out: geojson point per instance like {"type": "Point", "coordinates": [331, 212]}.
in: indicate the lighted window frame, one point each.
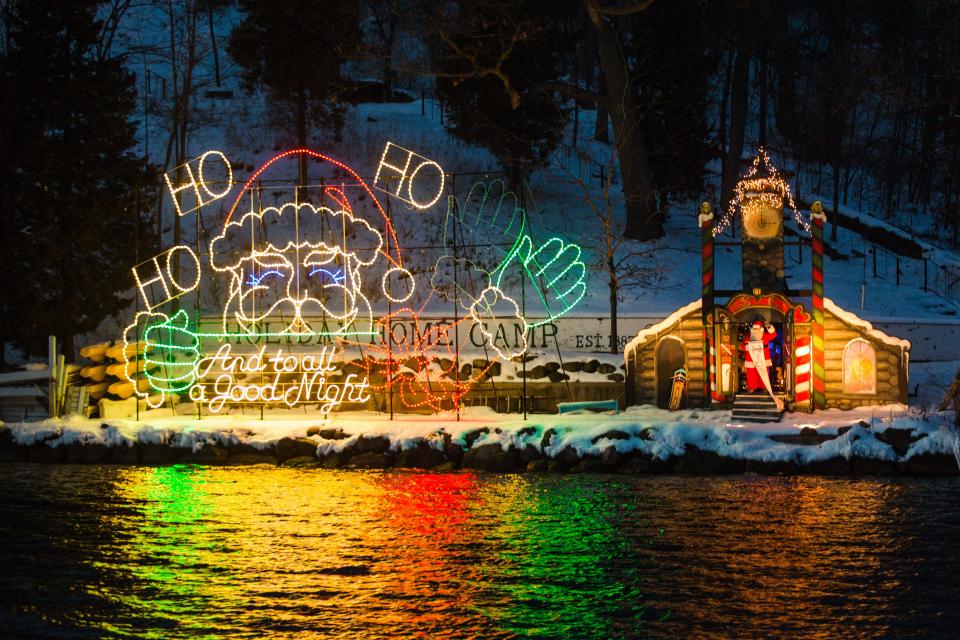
{"type": "Point", "coordinates": [859, 368]}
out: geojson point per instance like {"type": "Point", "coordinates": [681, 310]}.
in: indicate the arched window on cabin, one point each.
{"type": "Point", "coordinates": [859, 367]}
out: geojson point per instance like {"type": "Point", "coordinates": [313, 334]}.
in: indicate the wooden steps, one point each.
{"type": "Point", "coordinates": [755, 407]}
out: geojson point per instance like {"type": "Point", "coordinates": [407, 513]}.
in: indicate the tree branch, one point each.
{"type": "Point", "coordinates": [479, 70]}
{"type": "Point", "coordinates": [634, 7]}
{"type": "Point", "coordinates": [573, 91]}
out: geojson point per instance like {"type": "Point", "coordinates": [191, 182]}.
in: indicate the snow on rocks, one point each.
{"type": "Point", "coordinates": [876, 440]}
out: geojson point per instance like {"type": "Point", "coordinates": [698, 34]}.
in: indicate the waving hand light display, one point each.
{"type": "Point", "coordinates": [505, 265]}
{"type": "Point", "coordinates": [298, 285]}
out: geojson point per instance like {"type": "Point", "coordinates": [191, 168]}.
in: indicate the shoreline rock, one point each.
{"type": "Point", "coordinates": [441, 452]}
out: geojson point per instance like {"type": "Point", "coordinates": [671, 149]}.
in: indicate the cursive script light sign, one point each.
{"type": "Point", "coordinates": [278, 377]}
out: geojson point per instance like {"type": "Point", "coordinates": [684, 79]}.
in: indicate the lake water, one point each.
{"type": "Point", "coordinates": [262, 552]}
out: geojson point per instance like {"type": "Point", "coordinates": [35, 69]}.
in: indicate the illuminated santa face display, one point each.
{"type": "Point", "coordinates": [294, 282]}
{"type": "Point", "coordinates": [311, 275]}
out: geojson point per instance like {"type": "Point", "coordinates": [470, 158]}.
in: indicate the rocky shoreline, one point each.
{"type": "Point", "coordinates": [335, 449]}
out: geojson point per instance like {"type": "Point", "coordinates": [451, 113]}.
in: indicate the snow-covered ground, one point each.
{"type": "Point", "coordinates": [647, 430]}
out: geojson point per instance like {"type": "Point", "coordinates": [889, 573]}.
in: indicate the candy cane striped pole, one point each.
{"type": "Point", "coordinates": [802, 360]}
{"type": "Point", "coordinates": [818, 218]}
{"type": "Point", "coordinates": [705, 219]}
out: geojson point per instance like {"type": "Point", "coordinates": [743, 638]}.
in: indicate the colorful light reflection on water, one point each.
{"type": "Point", "coordinates": [265, 552]}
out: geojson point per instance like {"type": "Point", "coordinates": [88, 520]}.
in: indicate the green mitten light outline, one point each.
{"type": "Point", "coordinates": [160, 342]}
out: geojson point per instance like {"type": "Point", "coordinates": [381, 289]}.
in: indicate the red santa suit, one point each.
{"type": "Point", "coordinates": [764, 337]}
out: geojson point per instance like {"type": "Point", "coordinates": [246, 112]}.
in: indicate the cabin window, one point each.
{"type": "Point", "coordinates": [859, 367]}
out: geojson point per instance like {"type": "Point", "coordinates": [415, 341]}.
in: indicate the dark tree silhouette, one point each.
{"type": "Point", "coordinates": [296, 49]}
{"type": "Point", "coordinates": [491, 62]}
{"type": "Point", "coordinates": [74, 192]}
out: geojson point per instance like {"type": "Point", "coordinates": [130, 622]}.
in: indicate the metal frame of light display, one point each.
{"type": "Point", "coordinates": [284, 267]}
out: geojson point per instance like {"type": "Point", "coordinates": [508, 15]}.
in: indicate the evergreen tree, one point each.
{"type": "Point", "coordinates": [492, 63]}
{"type": "Point", "coordinates": [296, 49]}
{"type": "Point", "coordinates": [74, 192]}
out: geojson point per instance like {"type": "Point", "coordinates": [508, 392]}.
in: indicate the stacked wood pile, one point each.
{"type": "Point", "coordinates": [104, 373]}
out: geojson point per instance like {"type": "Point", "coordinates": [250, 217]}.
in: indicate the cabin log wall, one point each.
{"type": "Point", "coordinates": [641, 368]}
{"type": "Point", "coordinates": [891, 365]}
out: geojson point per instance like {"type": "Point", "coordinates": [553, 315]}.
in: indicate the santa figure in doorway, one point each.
{"type": "Point", "coordinates": [756, 347]}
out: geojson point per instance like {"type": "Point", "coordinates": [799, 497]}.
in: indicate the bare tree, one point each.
{"type": "Point", "coordinates": [169, 40]}
{"type": "Point", "coordinates": [643, 220]}
{"type": "Point", "coordinates": [619, 258]}
{"type": "Point", "coordinates": [181, 68]}
{"type": "Point", "coordinates": [483, 53]}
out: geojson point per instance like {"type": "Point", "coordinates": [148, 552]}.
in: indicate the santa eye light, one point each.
{"type": "Point", "coordinates": [336, 276]}
{"type": "Point", "coordinates": [255, 280]}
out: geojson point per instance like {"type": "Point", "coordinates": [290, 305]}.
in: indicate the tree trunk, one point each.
{"type": "Point", "coordinates": [799, 177]}
{"type": "Point", "coordinates": [785, 116]}
{"type": "Point", "coordinates": [762, 87]}
{"type": "Point", "coordinates": [614, 333]}
{"type": "Point", "coordinates": [724, 99]}
{"type": "Point", "coordinates": [388, 59]}
{"type": "Point", "coordinates": [931, 129]}
{"type": "Point", "coordinates": [949, 199]}
{"type": "Point", "coordinates": [602, 126]}
{"type": "Point", "coordinates": [891, 178]}
{"type": "Point", "coordinates": [587, 59]}
{"type": "Point", "coordinates": [181, 115]}
{"type": "Point", "coordinates": [388, 80]}
{"type": "Point", "coordinates": [738, 122]}
{"type": "Point", "coordinates": [587, 71]}
{"type": "Point", "coordinates": [576, 125]}
{"type": "Point", "coordinates": [172, 141]}
{"type": "Point", "coordinates": [836, 194]}
{"type": "Point", "coordinates": [186, 92]}
{"type": "Point", "coordinates": [643, 219]}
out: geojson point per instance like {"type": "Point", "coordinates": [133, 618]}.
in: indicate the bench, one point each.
{"type": "Point", "coordinates": [597, 405]}
{"type": "Point", "coordinates": [506, 402]}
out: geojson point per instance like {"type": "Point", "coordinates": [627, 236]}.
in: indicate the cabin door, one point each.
{"type": "Point", "coordinates": [669, 358]}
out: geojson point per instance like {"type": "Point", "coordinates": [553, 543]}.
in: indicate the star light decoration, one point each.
{"type": "Point", "coordinates": [762, 186]}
